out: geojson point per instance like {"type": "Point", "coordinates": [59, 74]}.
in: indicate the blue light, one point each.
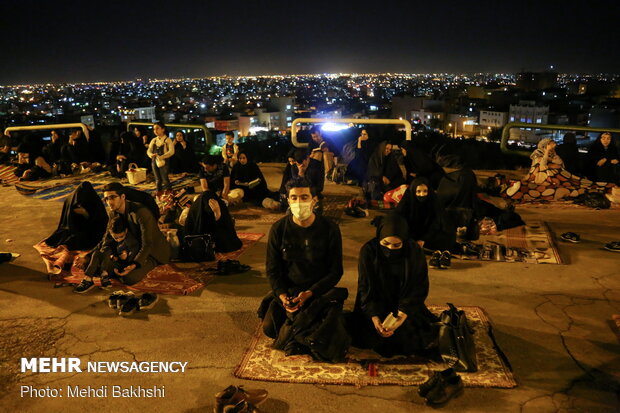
{"type": "Point", "coordinates": [333, 127]}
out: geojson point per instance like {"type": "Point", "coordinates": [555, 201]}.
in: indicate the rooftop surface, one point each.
{"type": "Point", "coordinates": [553, 322]}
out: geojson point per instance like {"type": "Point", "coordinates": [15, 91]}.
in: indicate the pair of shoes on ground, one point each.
{"type": "Point", "coordinates": [441, 387]}
{"type": "Point", "coordinates": [356, 212]}
{"type": "Point", "coordinates": [236, 399]}
{"type": "Point", "coordinates": [229, 267]}
{"type": "Point", "coordinates": [441, 260]}
{"type": "Point", "coordinates": [128, 303]}
{"type": "Point", "coordinates": [87, 285]}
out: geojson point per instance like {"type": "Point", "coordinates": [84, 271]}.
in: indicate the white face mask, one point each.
{"type": "Point", "coordinates": [301, 210]}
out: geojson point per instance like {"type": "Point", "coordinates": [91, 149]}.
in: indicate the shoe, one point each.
{"type": "Point", "coordinates": [241, 407]}
{"type": "Point", "coordinates": [434, 262]}
{"type": "Point", "coordinates": [114, 298]}
{"type": "Point", "coordinates": [613, 246]}
{"type": "Point", "coordinates": [470, 249]}
{"type": "Point", "coordinates": [570, 237]}
{"type": "Point", "coordinates": [444, 391]}
{"type": "Point", "coordinates": [439, 376]}
{"type": "Point", "coordinates": [106, 284]}
{"type": "Point", "coordinates": [84, 286]}
{"type": "Point", "coordinates": [129, 307]}
{"type": "Point", "coordinates": [445, 260]}
{"type": "Point", "coordinates": [123, 298]}
{"type": "Point", "coordinates": [148, 301]}
{"type": "Point", "coordinates": [233, 395]}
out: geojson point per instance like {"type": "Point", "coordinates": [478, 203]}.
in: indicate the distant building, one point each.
{"type": "Point", "coordinates": [286, 106]}
{"type": "Point", "coordinates": [146, 113]}
{"type": "Point", "coordinates": [427, 118]}
{"type": "Point", "coordinates": [493, 119]}
{"type": "Point", "coordinates": [402, 106]}
{"type": "Point", "coordinates": [528, 112]}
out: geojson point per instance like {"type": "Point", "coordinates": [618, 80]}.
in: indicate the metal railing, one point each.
{"type": "Point", "coordinates": [207, 134]}
{"type": "Point", "coordinates": [298, 144]}
{"type": "Point", "coordinates": [85, 129]}
{"type": "Point", "coordinates": [506, 133]}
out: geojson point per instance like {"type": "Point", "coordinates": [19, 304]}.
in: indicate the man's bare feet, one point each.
{"type": "Point", "coordinates": [215, 207]}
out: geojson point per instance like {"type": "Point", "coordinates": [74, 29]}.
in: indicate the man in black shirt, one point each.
{"type": "Point", "coordinates": [304, 257]}
{"type": "Point", "coordinates": [214, 176]}
{"type": "Point", "coordinates": [310, 168]}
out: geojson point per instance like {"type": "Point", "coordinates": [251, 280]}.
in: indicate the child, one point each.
{"type": "Point", "coordinates": [230, 150]}
{"type": "Point", "coordinates": [160, 149]}
{"type": "Point", "coordinates": [113, 256]}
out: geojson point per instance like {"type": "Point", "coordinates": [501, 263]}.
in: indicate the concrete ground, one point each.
{"type": "Point", "coordinates": [552, 321]}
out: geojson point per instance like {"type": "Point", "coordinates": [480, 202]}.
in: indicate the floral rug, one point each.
{"type": "Point", "coordinates": [7, 177]}
{"type": "Point", "coordinates": [175, 278]}
{"type": "Point", "coordinates": [261, 362]}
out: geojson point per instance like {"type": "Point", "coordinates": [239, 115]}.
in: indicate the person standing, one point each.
{"type": "Point", "coordinates": [160, 150]}
{"type": "Point", "coordinates": [230, 150]}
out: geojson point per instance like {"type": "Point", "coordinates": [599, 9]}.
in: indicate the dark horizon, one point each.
{"type": "Point", "coordinates": [101, 42]}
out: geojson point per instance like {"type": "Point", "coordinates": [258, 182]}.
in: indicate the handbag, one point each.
{"type": "Point", "coordinates": [199, 248]}
{"type": "Point", "coordinates": [456, 340]}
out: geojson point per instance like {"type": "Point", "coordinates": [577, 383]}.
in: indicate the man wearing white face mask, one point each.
{"type": "Point", "coordinates": [304, 258]}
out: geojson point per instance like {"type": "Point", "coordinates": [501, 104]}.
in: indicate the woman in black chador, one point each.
{"type": "Point", "coordinates": [83, 220]}
{"type": "Point", "coordinates": [384, 172]}
{"type": "Point", "coordinates": [393, 279]}
{"type": "Point", "coordinates": [604, 159]}
{"type": "Point", "coordinates": [248, 176]}
{"type": "Point", "coordinates": [425, 216]}
{"type": "Point", "coordinates": [209, 215]}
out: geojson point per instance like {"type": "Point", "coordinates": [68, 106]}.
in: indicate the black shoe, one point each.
{"type": "Point", "coordinates": [114, 298]}
{"type": "Point", "coordinates": [130, 307]}
{"type": "Point", "coordinates": [571, 237]}
{"type": "Point", "coordinates": [83, 286]}
{"type": "Point", "coordinates": [445, 260]}
{"type": "Point", "coordinates": [148, 301]}
{"type": "Point", "coordinates": [444, 391]}
{"type": "Point", "coordinates": [613, 246]}
{"type": "Point", "coordinates": [434, 262]}
{"type": "Point", "coordinates": [123, 298]}
{"type": "Point", "coordinates": [439, 376]}
{"type": "Point", "coordinates": [106, 284]}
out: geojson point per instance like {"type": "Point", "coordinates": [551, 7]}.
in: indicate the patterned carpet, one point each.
{"type": "Point", "coordinates": [7, 177]}
{"type": "Point", "coordinates": [531, 243]}
{"type": "Point", "coordinates": [176, 278]}
{"type": "Point", "coordinates": [261, 362]}
{"type": "Point", "coordinates": [57, 189]}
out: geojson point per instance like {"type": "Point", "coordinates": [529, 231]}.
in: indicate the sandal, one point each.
{"type": "Point", "coordinates": [571, 237]}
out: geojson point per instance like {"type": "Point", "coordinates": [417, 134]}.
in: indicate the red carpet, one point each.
{"type": "Point", "coordinates": [175, 278]}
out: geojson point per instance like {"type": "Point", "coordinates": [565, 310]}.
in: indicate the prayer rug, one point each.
{"type": "Point", "coordinates": [57, 189]}
{"type": "Point", "coordinates": [256, 215]}
{"type": "Point", "coordinates": [334, 205]}
{"type": "Point", "coordinates": [7, 175]}
{"type": "Point", "coordinates": [531, 243]}
{"type": "Point", "coordinates": [261, 362]}
{"type": "Point", "coordinates": [175, 278]}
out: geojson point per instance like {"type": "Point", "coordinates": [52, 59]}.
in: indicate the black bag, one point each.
{"type": "Point", "coordinates": [594, 200]}
{"type": "Point", "coordinates": [199, 248]}
{"type": "Point", "coordinates": [456, 340]}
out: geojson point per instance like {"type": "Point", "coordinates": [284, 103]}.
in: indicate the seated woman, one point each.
{"type": "Point", "coordinates": [390, 316]}
{"type": "Point", "coordinates": [603, 158]}
{"type": "Point", "coordinates": [362, 149]}
{"type": "Point", "coordinates": [209, 215]}
{"type": "Point", "coordinates": [428, 223]}
{"type": "Point", "coordinates": [419, 164]}
{"type": "Point", "coordinates": [32, 165]}
{"type": "Point", "coordinates": [548, 180]}
{"type": "Point", "coordinates": [384, 172]}
{"type": "Point", "coordinates": [247, 176]}
{"type": "Point", "coordinates": [184, 158]}
{"type": "Point", "coordinates": [82, 225]}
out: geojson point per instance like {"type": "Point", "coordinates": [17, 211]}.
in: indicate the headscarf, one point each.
{"type": "Point", "coordinates": [540, 152]}
{"type": "Point", "coordinates": [247, 172]}
{"type": "Point", "coordinates": [393, 225]}
{"type": "Point", "coordinates": [76, 231]}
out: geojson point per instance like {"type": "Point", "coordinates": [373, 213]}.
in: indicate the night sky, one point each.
{"type": "Point", "coordinates": [77, 41]}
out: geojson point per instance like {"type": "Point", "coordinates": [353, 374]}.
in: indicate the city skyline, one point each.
{"type": "Point", "coordinates": [98, 41]}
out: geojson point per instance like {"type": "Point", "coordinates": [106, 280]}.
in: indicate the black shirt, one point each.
{"type": "Point", "coordinates": [215, 179]}
{"type": "Point", "coordinates": [300, 259]}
